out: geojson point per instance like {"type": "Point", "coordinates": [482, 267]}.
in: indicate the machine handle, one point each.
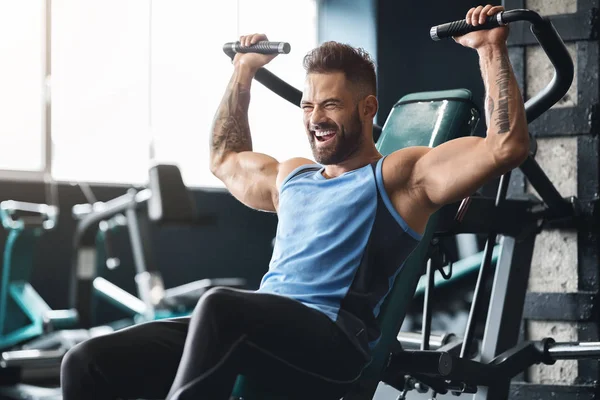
{"type": "Point", "coordinates": [460, 27]}
{"type": "Point", "coordinates": [262, 47]}
{"type": "Point", "coordinates": [549, 40]}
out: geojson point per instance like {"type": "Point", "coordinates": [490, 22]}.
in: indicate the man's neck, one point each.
{"type": "Point", "coordinates": [368, 156]}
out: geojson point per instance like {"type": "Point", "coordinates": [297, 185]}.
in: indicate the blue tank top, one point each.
{"type": "Point", "coordinates": [340, 244]}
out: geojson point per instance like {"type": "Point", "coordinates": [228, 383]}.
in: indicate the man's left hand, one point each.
{"type": "Point", "coordinates": [475, 40]}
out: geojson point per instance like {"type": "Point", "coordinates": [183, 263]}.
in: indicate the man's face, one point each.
{"type": "Point", "coordinates": [331, 117]}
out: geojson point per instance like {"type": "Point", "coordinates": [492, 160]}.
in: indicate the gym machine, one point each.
{"type": "Point", "coordinates": [33, 336]}
{"type": "Point", "coordinates": [435, 365]}
{"type": "Point", "coordinates": [24, 315]}
{"type": "Point", "coordinates": [165, 201]}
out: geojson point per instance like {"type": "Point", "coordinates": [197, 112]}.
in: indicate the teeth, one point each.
{"type": "Point", "coordinates": [324, 133]}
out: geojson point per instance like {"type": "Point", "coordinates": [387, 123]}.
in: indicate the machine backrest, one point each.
{"type": "Point", "coordinates": [171, 201]}
{"type": "Point", "coordinates": [418, 119]}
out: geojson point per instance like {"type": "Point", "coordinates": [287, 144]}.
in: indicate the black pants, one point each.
{"type": "Point", "coordinates": [265, 337]}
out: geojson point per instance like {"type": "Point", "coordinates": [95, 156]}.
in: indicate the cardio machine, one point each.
{"type": "Point", "coordinates": [440, 366]}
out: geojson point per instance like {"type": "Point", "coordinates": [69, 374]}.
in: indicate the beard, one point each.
{"type": "Point", "coordinates": [346, 142]}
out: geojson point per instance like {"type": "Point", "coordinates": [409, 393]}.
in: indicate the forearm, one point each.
{"type": "Point", "coordinates": [504, 109]}
{"type": "Point", "coordinates": [231, 130]}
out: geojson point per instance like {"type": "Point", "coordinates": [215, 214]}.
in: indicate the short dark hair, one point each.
{"type": "Point", "coordinates": [355, 63]}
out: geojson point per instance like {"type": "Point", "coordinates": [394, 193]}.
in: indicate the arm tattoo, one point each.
{"type": "Point", "coordinates": [489, 111]}
{"type": "Point", "coordinates": [231, 130]}
{"type": "Point", "coordinates": [503, 82]}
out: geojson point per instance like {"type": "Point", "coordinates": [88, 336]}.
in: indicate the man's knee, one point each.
{"type": "Point", "coordinates": [78, 359]}
{"type": "Point", "coordinates": [214, 300]}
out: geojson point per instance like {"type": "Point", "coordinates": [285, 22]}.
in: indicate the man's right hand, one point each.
{"type": "Point", "coordinates": [253, 61]}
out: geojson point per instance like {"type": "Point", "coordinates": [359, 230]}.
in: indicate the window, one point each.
{"type": "Point", "coordinates": [100, 90]}
{"type": "Point", "coordinates": [135, 78]}
{"type": "Point", "coordinates": [22, 85]}
{"type": "Point", "coordinates": [190, 73]}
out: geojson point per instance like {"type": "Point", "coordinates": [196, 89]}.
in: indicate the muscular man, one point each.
{"type": "Point", "coordinates": [347, 222]}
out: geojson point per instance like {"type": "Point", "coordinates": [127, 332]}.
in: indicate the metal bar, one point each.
{"type": "Point", "coordinates": [557, 53]}
{"type": "Point", "coordinates": [17, 215]}
{"type": "Point", "coordinates": [202, 285]}
{"type": "Point", "coordinates": [119, 297]}
{"type": "Point", "coordinates": [22, 358]}
{"type": "Point", "coordinates": [574, 351]}
{"type": "Point", "coordinates": [554, 48]}
{"type": "Point", "coordinates": [81, 288]}
{"type": "Point", "coordinates": [427, 302]}
{"type": "Point", "coordinates": [87, 222]}
{"type": "Point", "coordinates": [511, 218]}
{"type": "Point", "coordinates": [412, 340]}
{"type": "Point", "coordinates": [542, 184]}
{"type": "Point", "coordinates": [460, 268]}
{"type": "Point", "coordinates": [484, 272]}
{"type": "Point", "coordinates": [44, 209]}
{"type": "Point", "coordinates": [148, 280]}
{"type": "Point", "coordinates": [506, 306]}
{"type": "Point", "coordinates": [482, 278]}
{"type": "Point", "coordinates": [139, 234]}
{"type": "Point", "coordinates": [30, 302]}
{"type": "Point", "coordinates": [102, 211]}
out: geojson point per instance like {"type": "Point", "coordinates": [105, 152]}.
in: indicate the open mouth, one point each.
{"type": "Point", "coordinates": [324, 135]}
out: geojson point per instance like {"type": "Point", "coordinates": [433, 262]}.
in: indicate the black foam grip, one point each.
{"type": "Point", "coordinates": [458, 28]}
{"type": "Point", "coordinates": [262, 47]}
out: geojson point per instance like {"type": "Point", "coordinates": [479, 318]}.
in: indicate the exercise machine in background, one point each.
{"type": "Point", "coordinates": [33, 336]}
{"type": "Point", "coordinates": [166, 201]}
{"type": "Point", "coordinates": [31, 370]}
{"type": "Point", "coordinates": [24, 314]}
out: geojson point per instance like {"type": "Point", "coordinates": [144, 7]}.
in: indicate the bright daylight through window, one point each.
{"type": "Point", "coordinates": [21, 85]}
{"type": "Point", "coordinates": [126, 73]}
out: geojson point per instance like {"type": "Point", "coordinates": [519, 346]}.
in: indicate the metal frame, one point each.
{"type": "Point", "coordinates": [154, 301]}
{"type": "Point", "coordinates": [503, 322]}
{"type": "Point", "coordinates": [582, 121]}
{"type": "Point", "coordinates": [506, 306]}
{"type": "Point", "coordinates": [83, 263]}
{"type": "Point", "coordinates": [581, 27]}
{"type": "Point", "coordinates": [503, 330]}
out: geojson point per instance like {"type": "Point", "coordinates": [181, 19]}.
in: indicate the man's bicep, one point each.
{"type": "Point", "coordinates": [251, 178]}
{"type": "Point", "coordinates": [456, 169]}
